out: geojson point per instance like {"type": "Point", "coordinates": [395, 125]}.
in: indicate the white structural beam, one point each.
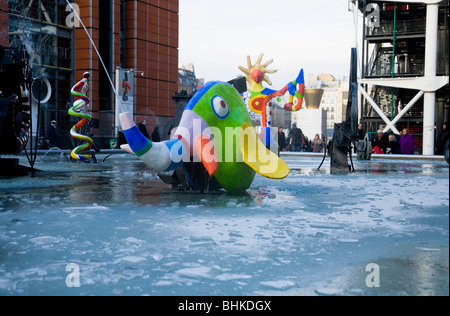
{"type": "Point", "coordinates": [429, 104]}
{"type": "Point", "coordinates": [414, 1]}
{"type": "Point", "coordinates": [390, 124]}
{"type": "Point", "coordinates": [417, 83]}
{"type": "Point", "coordinates": [375, 106]}
{"type": "Point", "coordinates": [406, 109]}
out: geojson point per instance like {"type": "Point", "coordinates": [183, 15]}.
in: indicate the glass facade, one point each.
{"type": "Point", "coordinates": [61, 53]}
{"type": "Point", "coordinates": [40, 25]}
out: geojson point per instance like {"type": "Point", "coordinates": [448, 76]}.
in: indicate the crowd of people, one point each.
{"type": "Point", "coordinates": [298, 142]}
{"type": "Point", "coordinates": [403, 144]}
{"type": "Point", "coordinates": [382, 143]}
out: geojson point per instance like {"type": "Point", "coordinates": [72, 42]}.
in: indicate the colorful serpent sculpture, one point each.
{"type": "Point", "coordinates": [216, 130]}
{"type": "Point", "coordinates": [80, 90]}
{"type": "Point", "coordinates": [261, 101]}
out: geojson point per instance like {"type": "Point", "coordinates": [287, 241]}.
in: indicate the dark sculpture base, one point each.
{"type": "Point", "coordinates": [9, 167]}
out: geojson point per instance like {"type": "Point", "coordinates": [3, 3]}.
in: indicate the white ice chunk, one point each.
{"type": "Point", "coordinates": [133, 259]}
{"type": "Point", "coordinates": [197, 272]}
{"type": "Point", "coordinates": [328, 291]}
{"type": "Point", "coordinates": [279, 285]}
{"type": "Point", "coordinates": [45, 240]}
{"type": "Point", "coordinates": [229, 277]}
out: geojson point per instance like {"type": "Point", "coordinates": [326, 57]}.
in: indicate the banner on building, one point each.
{"type": "Point", "coordinates": [125, 93]}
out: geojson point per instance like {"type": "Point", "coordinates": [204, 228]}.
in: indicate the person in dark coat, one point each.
{"type": "Point", "coordinates": [317, 144]}
{"type": "Point", "coordinates": [143, 128]}
{"type": "Point", "coordinates": [381, 140]}
{"type": "Point", "coordinates": [442, 139]}
{"type": "Point", "coordinates": [295, 138]}
{"type": "Point", "coordinates": [360, 132]}
{"type": "Point", "coordinates": [52, 134]}
{"type": "Point", "coordinates": [155, 135]}
{"type": "Point", "coordinates": [393, 146]}
{"type": "Point", "coordinates": [282, 144]}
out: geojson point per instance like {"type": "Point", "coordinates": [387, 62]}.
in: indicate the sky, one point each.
{"type": "Point", "coordinates": [218, 35]}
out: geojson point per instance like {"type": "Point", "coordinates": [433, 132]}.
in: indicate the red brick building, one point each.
{"type": "Point", "coordinates": [140, 35]}
{"type": "Point", "coordinates": [4, 23]}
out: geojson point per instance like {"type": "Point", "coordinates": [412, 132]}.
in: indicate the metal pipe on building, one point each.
{"type": "Point", "coordinates": [429, 106]}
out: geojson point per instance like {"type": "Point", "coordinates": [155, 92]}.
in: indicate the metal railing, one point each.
{"type": "Point", "coordinates": [380, 64]}
{"type": "Point", "coordinates": [407, 27]}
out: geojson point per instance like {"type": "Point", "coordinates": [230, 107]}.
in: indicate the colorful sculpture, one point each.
{"type": "Point", "coordinates": [260, 101]}
{"type": "Point", "coordinates": [79, 108]}
{"type": "Point", "coordinates": [216, 130]}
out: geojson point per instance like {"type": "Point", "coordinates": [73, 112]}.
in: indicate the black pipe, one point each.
{"type": "Point", "coordinates": [324, 155]}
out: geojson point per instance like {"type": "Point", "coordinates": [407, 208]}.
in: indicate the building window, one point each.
{"type": "Point", "coordinates": [40, 26]}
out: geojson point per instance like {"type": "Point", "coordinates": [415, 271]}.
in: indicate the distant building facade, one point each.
{"type": "Point", "coordinates": [187, 79]}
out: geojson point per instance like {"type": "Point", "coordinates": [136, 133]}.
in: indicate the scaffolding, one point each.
{"type": "Point", "coordinates": [404, 72]}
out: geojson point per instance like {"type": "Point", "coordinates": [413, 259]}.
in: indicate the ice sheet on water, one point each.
{"type": "Point", "coordinates": [157, 257]}
{"type": "Point", "coordinates": [93, 207]}
{"type": "Point", "coordinates": [132, 259]}
{"type": "Point", "coordinates": [133, 240]}
{"type": "Point", "coordinates": [327, 225]}
{"type": "Point", "coordinates": [328, 291]}
{"type": "Point", "coordinates": [428, 249]}
{"type": "Point", "coordinates": [46, 240]}
{"type": "Point", "coordinates": [129, 273]}
{"type": "Point", "coordinates": [348, 240]}
{"type": "Point", "coordinates": [279, 284]}
{"type": "Point", "coordinates": [230, 277]}
{"type": "Point", "coordinates": [285, 237]}
{"type": "Point", "coordinates": [37, 271]}
{"type": "Point", "coordinates": [7, 284]}
{"type": "Point", "coordinates": [195, 272]}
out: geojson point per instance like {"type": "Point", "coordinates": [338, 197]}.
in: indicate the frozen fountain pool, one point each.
{"type": "Point", "coordinates": [311, 234]}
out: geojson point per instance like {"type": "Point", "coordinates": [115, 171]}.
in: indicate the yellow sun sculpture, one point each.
{"type": "Point", "coordinates": [257, 73]}
{"type": "Point", "coordinates": [260, 101]}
